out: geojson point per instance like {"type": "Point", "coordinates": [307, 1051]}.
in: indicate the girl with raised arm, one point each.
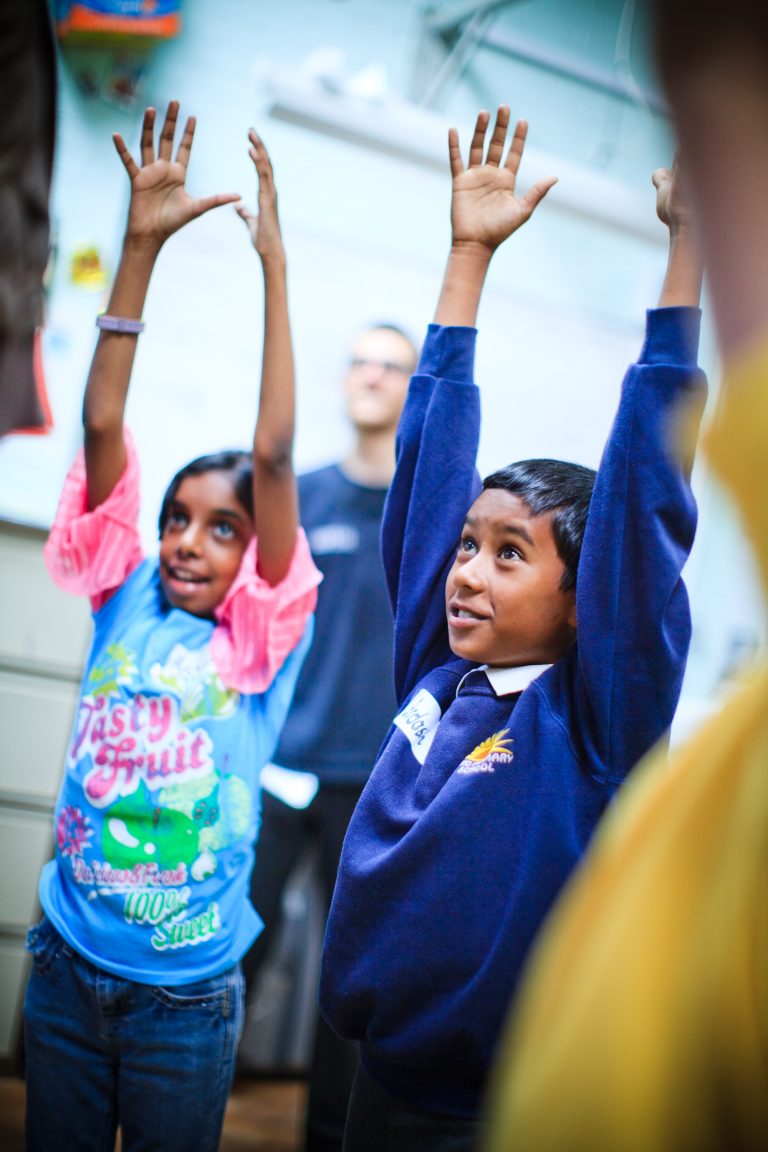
{"type": "Point", "coordinates": [134, 1006]}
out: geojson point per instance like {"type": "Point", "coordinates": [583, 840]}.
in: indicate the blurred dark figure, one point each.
{"type": "Point", "coordinates": [713, 62]}
{"type": "Point", "coordinates": [27, 124]}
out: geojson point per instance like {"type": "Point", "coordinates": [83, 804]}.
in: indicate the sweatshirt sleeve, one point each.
{"type": "Point", "coordinates": [259, 624]}
{"type": "Point", "coordinates": [435, 483]}
{"type": "Point", "coordinates": [92, 553]}
{"type": "Point", "coordinates": [632, 608]}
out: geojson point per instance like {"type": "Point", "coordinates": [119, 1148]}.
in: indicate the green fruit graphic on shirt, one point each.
{"type": "Point", "coordinates": [135, 832]}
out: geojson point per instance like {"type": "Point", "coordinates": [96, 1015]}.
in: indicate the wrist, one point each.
{"type": "Point", "coordinates": [141, 247]}
{"type": "Point", "coordinates": [463, 285]}
{"type": "Point", "coordinates": [682, 232]}
{"type": "Point", "coordinates": [471, 254]}
{"type": "Point", "coordinates": [684, 248]}
{"type": "Point", "coordinates": [273, 262]}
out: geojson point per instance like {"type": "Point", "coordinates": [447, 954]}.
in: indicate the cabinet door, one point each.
{"type": "Point", "coordinates": [43, 638]}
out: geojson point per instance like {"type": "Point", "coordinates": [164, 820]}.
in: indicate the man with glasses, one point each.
{"type": "Point", "coordinates": [344, 701]}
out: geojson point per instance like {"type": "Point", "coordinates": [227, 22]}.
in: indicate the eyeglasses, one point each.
{"type": "Point", "coordinates": [384, 365]}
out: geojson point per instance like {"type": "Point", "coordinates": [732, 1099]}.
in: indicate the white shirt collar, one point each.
{"type": "Point", "coordinates": [505, 681]}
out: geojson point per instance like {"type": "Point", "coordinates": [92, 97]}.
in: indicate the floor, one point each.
{"type": "Point", "coordinates": [262, 1116]}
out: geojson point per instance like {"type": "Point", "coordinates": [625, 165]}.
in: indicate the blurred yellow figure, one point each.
{"type": "Point", "coordinates": [642, 1023]}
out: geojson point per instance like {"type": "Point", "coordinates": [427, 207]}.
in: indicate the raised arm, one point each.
{"type": "Point", "coordinates": [275, 498]}
{"type": "Point", "coordinates": [436, 480]}
{"type": "Point", "coordinates": [632, 608]}
{"type": "Point", "coordinates": [159, 206]}
{"type": "Point", "coordinates": [682, 282]}
{"type": "Point", "coordinates": [485, 211]}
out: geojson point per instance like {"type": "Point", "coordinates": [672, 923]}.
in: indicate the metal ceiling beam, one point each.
{"type": "Point", "coordinates": [568, 67]}
{"type": "Point", "coordinates": [462, 51]}
{"type": "Point", "coordinates": [447, 21]}
{"type": "Point", "coordinates": [449, 37]}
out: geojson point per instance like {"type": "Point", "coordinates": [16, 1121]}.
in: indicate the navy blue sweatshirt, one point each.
{"type": "Point", "coordinates": [345, 697]}
{"type": "Point", "coordinates": [481, 804]}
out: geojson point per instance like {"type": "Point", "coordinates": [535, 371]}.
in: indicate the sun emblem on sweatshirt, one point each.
{"type": "Point", "coordinates": [484, 758]}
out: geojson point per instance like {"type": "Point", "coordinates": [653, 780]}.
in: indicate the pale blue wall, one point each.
{"type": "Point", "coordinates": [366, 238]}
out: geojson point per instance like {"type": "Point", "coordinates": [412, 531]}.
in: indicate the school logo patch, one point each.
{"type": "Point", "coordinates": [495, 750]}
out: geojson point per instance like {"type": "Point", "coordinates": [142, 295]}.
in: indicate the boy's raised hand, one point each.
{"type": "Point", "coordinates": [682, 280]}
{"type": "Point", "coordinates": [672, 203]}
{"type": "Point", "coordinates": [485, 211]}
{"type": "Point", "coordinates": [160, 204]}
{"type": "Point", "coordinates": [263, 226]}
{"type": "Point", "coordinates": [484, 208]}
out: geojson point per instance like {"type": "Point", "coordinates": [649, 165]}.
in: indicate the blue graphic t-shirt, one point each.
{"type": "Point", "coordinates": [158, 810]}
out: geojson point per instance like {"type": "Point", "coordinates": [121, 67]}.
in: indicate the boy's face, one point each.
{"type": "Point", "coordinates": [503, 596]}
{"type": "Point", "coordinates": [205, 535]}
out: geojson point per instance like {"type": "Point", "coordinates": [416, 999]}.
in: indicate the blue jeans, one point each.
{"type": "Point", "coordinates": [103, 1051]}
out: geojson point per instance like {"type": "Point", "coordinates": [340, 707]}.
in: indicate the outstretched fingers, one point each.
{"type": "Point", "coordinates": [264, 226]}
{"type": "Point", "coordinates": [249, 218]}
{"type": "Point", "coordinates": [168, 131]}
{"type": "Point", "coordinates": [185, 144]}
{"type": "Point", "coordinates": [129, 163]}
{"type": "Point", "coordinates": [148, 137]}
{"type": "Point", "coordinates": [262, 163]}
{"type": "Point", "coordinates": [495, 152]}
{"type": "Point", "coordinates": [454, 153]}
{"type": "Point", "coordinates": [477, 144]}
{"type": "Point", "coordinates": [498, 136]}
{"type": "Point", "coordinates": [205, 203]}
{"type": "Point", "coordinates": [517, 147]}
{"type": "Point", "coordinates": [537, 192]}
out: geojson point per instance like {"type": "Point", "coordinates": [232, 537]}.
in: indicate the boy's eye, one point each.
{"type": "Point", "coordinates": [508, 552]}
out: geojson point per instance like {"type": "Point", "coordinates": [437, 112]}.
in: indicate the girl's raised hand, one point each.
{"type": "Point", "coordinates": [485, 209]}
{"type": "Point", "coordinates": [160, 204]}
{"type": "Point", "coordinates": [264, 226]}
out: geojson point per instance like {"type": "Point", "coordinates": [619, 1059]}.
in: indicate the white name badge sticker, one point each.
{"type": "Point", "coordinates": [418, 722]}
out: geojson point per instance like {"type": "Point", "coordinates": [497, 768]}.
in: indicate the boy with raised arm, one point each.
{"type": "Point", "coordinates": [532, 674]}
{"type": "Point", "coordinates": [663, 932]}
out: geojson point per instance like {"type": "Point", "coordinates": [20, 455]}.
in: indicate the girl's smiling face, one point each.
{"type": "Point", "coordinates": [205, 534]}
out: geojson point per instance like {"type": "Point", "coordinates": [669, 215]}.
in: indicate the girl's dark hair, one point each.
{"type": "Point", "coordinates": [234, 460]}
{"type": "Point", "coordinates": [553, 485]}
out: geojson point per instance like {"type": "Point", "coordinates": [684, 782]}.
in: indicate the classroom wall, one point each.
{"type": "Point", "coordinates": [367, 231]}
{"type": "Point", "coordinates": [367, 234]}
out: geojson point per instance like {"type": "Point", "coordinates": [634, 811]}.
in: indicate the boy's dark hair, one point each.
{"type": "Point", "coordinates": [553, 485]}
{"type": "Point", "coordinates": [233, 460]}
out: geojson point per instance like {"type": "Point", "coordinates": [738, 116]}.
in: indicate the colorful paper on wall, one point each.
{"type": "Point", "coordinates": [92, 18]}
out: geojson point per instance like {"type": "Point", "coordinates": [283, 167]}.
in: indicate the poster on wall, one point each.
{"type": "Point", "coordinates": [93, 19]}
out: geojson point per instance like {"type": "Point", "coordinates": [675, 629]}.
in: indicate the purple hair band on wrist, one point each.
{"type": "Point", "coordinates": [119, 324]}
